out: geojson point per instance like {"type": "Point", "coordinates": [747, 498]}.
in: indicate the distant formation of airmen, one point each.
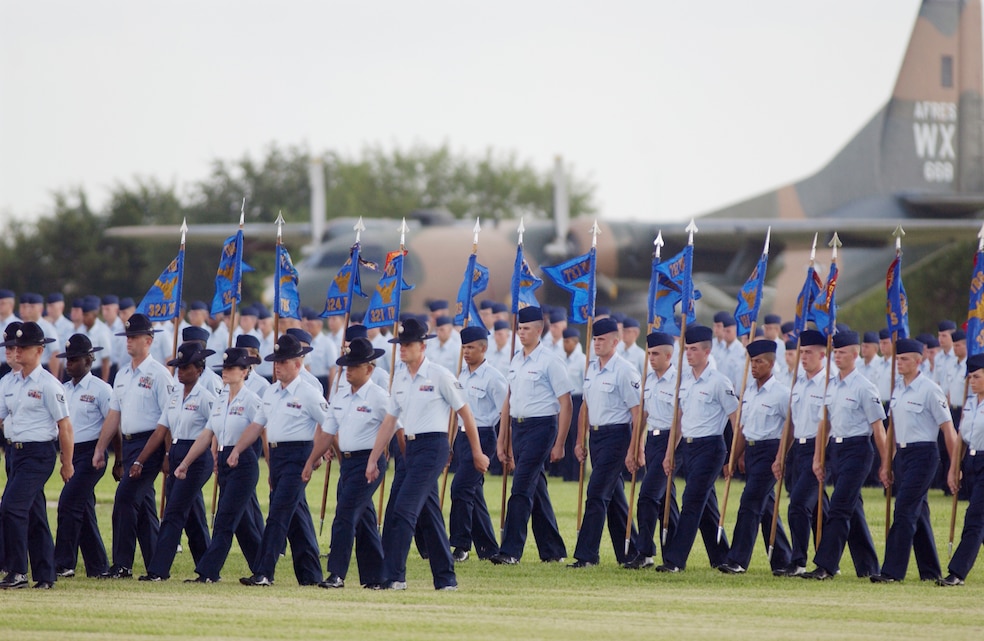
{"type": "Point", "coordinates": [104, 387]}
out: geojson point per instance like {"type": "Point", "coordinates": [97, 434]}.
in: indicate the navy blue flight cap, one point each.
{"type": "Point", "coordinates": [947, 326]}
{"type": "Point", "coordinates": [602, 311]}
{"type": "Point", "coordinates": [764, 346]}
{"type": "Point", "coordinates": [630, 323]}
{"type": "Point", "coordinates": [759, 332]}
{"type": "Point", "coordinates": [772, 319]}
{"type": "Point", "coordinates": [473, 333]}
{"type": "Point", "coordinates": [90, 305]}
{"type": "Point", "coordinates": [311, 314]}
{"type": "Point", "coordinates": [928, 340]}
{"type": "Point", "coordinates": [440, 321]}
{"type": "Point", "coordinates": [558, 315]}
{"type": "Point", "coordinates": [437, 305]}
{"type": "Point", "coordinates": [618, 317]}
{"type": "Point", "coordinates": [812, 337]}
{"type": "Point", "coordinates": [354, 317]}
{"type": "Point", "coordinates": [77, 303]}
{"type": "Point", "coordinates": [55, 297]}
{"type": "Point", "coordinates": [883, 333]}
{"type": "Point", "coordinates": [604, 326]}
{"type": "Point", "coordinates": [501, 324]}
{"type": "Point", "coordinates": [486, 303]}
{"type": "Point", "coordinates": [127, 303]}
{"type": "Point", "coordinates": [353, 332]}
{"type": "Point", "coordinates": [198, 305]}
{"type": "Point", "coordinates": [720, 317]}
{"type": "Point", "coordinates": [729, 321]}
{"type": "Point", "coordinates": [655, 339]}
{"type": "Point", "coordinates": [842, 327]}
{"type": "Point", "coordinates": [248, 310]}
{"type": "Point", "coordinates": [194, 333]}
{"type": "Point", "coordinates": [870, 337]}
{"type": "Point", "coordinates": [845, 339]}
{"type": "Point", "coordinates": [571, 332]}
{"type": "Point", "coordinates": [698, 334]}
{"type": "Point", "coordinates": [262, 312]}
{"type": "Point", "coordinates": [499, 308]}
{"type": "Point", "coordinates": [299, 334]}
{"type": "Point", "coordinates": [787, 327]}
{"type": "Point", "coordinates": [6, 293]}
{"type": "Point", "coordinates": [110, 299]}
{"type": "Point", "coordinates": [958, 335]}
{"type": "Point", "coordinates": [529, 314]}
{"type": "Point", "coordinates": [790, 344]}
{"type": "Point", "coordinates": [406, 315]}
{"type": "Point", "coordinates": [975, 363]}
{"type": "Point", "coordinates": [247, 340]}
{"type": "Point", "coordinates": [908, 346]}
{"type": "Point", "coordinates": [31, 298]}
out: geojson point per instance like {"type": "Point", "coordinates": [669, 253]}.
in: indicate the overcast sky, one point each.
{"type": "Point", "coordinates": [671, 108]}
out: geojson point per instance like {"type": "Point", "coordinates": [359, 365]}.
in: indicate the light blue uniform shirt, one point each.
{"type": "Point", "coordinates": [485, 389]}
{"type": "Point", "coordinates": [88, 405]}
{"type": "Point", "coordinates": [355, 417]}
{"type": "Point", "coordinates": [323, 355]}
{"type": "Point", "coordinates": [659, 399]}
{"type": "Point", "coordinates": [764, 410]}
{"type": "Point", "coordinates": [971, 423]}
{"type": "Point", "coordinates": [705, 403]}
{"type": "Point", "coordinates": [918, 410]}
{"type": "Point", "coordinates": [140, 395]}
{"type": "Point", "coordinates": [256, 384]}
{"type": "Point", "coordinates": [853, 404]}
{"type": "Point", "coordinates": [575, 362]}
{"type": "Point", "coordinates": [874, 372]}
{"type": "Point", "coordinates": [808, 403]}
{"type": "Point", "coordinates": [536, 382]}
{"type": "Point", "coordinates": [211, 380]}
{"type": "Point", "coordinates": [230, 417]}
{"type": "Point", "coordinates": [291, 413]}
{"type": "Point", "coordinates": [425, 400]}
{"type": "Point", "coordinates": [34, 407]}
{"type": "Point", "coordinates": [8, 387]}
{"type": "Point", "coordinates": [611, 391]}
{"type": "Point", "coordinates": [186, 416]}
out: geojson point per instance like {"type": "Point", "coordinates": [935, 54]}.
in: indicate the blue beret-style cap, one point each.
{"type": "Point", "coordinates": [31, 298]}
{"type": "Point", "coordinates": [6, 293]}
{"type": "Point", "coordinates": [908, 346]}
{"type": "Point", "coordinates": [947, 326]}
{"type": "Point", "coordinates": [442, 321]}
{"type": "Point", "coordinates": [603, 311]}
{"type": "Point", "coordinates": [436, 305]}
{"type": "Point", "coordinates": [198, 305]}
{"type": "Point", "coordinates": [353, 332]}
{"type": "Point", "coordinates": [883, 333]}
{"type": "Point", "coordinates": [720, 317]}
{"type": "Point", "coordinates": [928, 340]}
{"type": "Point", "coordinates": [110, 299]}
{"type": "Point", "coordinates": [812, 337]}
{"type": "Point", "coordinates": [500, 324]}
{"type": "Point", "coordinates": [772, 319]}
{"type": "Point", "coordinates": [473, 333]}
{"type": "Point", "coordinates": [729, 321]}
{"type": "Point", "coordinates": [787, 327]}
{"type": "Point", "coordinates": [247, 340]}
{"type": "Point", "coordinates": [655, 339]}
{"type": "Point", "coordinates": [558, 315]}
{"type": "Point", "coordinates": [299, 334]}
{"type": "Point", "coordinates": [698, 334]}
{"type": "Point", "coordinates": [975, 363]}
{"type": "Point", "coordinates": [529, 314]}
{"type": "Point", "coordinates": [604, 326]}
{"type": "Point", "coordinates": [90, 305]}
{"type": "Point", "coordinates": [630, 322]}
{"type": "Point", "coordinates": [870, 337]}
{"type": "Point", "coordinates": [127, 303]}
{"type": "Point", "coordinates": [499, 308]}
{"type": "Point", "coordinates": [571, 332]}
{"type": "Point", "coordinates": [764, 346]}
{"type": "Point", "coordinates": [55, 297]}
{"type": "Point", "coordinates": [790, 344]}
{"type": "Point", "coordinates": [486, 303]}
{"type": "Point", "coordinates": [846, 339]}
{"type": "Point", "coordinates": [194, 333]}
{"type": "Point", "coordinates": [958, 335]}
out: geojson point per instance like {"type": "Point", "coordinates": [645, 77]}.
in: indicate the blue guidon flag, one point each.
{"type": "Point", "coordinates": [897, 303]}
{"type": "Point", "coordinates": [577, 276]}
{"type": "Point", "coordinates": [162, 301]}
{"type": "Point", "coordinates": [384, 306]}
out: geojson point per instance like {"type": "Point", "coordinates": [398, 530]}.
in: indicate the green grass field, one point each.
{"type": "Point", "coordinates": [529, 601]}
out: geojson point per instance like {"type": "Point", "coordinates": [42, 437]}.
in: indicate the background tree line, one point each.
{"type": "Point", "coordinates": [67, 250]}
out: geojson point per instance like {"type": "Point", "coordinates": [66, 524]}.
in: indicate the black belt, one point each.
{"type": "Point", "coordinates": [183, 441]}
{"type": "Point", "coordinates": [530, 419]}
{"type": "Point", "coordinates": [974, 452]}
{"type": "Point", "coordinates": [137, 435]}
{"type": "Point", "coordinates": [804, 441]}
{"type": "Point", "coordinates": [287, 444]}
{"type": "Point", "coordinates": [768, 441]}
{"type": "Point", "coordinates": [356, 453]}
{"type": "Point", "coordinates": [908, 445]}
{"type": "Point", "coordinates": [423, 435]}
{"type": "Point", "coordinates": [20, 445]}
{"type": "Point", "coordinates": [595, 428]}
{"type": "Point", "coordinates": [657, 432]}
{"type": "Point", "coordinates": [698, 439]}
{"type": "Point", "coordinates": [487, 428]}
{"type": "Point", "coordinates": [849, 439]}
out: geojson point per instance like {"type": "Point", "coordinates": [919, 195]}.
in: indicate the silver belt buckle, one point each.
{"type": "Point", "coordinates": [657, 432]}
{"type": "Point", "coordinates": [803, 441]}
{"type": "Point", "coordinates": [411, 437]}
{"type": "Point", "coordinates": [839, 439]}
{"type": "Point", "coordinates": [973, 452]}
{"type": "Point", "coordinates": [902, 446]}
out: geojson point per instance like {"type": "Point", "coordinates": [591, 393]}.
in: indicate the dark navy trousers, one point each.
{"type": "Point", "coordinates": [182, 497]}
{"type": "Point", "coordinates": [237, 513]}
{"type": "Point", "coordinates": [135, 508]}
{"type": "Point", "coordinates": [972, 535]}
{"type": "Point", "coordinates": [470, 520]}
{"type": "Point", "coordinates": [532, 440]}
{"type": "Point", "coordinates": [355, 520]}
{"type": "Point", "coordinates": [652, 493]}
{"type": "Point", "coordinates": [850, 461]}
{"type": "Point", "coordinates": [912, 531]}
{"type": "Point", "coordinates": [23, 510]}
{"type": "Point", "coordinates": [756, 508]}
{"type": "Point", "coordinates": [702, 460]}
{"type": "Point", "coordinates": [608, 447]}
{"type": "Point", "coordinates": [77, 525]}
{"type": "Point", "coordinates": [802, 500]}
{"type": "Point", "coordinates": [417, 500]}
{"type": "Point", "coordinates": [289, 517]}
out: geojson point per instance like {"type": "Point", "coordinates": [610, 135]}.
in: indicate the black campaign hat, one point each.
{"type": "Point", "coordinates": [138, 325]}
{"type": "Point", "coordinates": [359, 351]}
{"type": "Point", "coordinates": [190, 352]}
{"type": "Point", "coordinates": [238, 357]}
{"type": "Point", "coordinates": [29, 334]}
{"type": "Point", "coordinates": [411, 331]}
{"type": "Point", "coordinates": [287, 347]}
{"type": "Point", "coordinates": [78, 345]}
{"type": "Point", "coordinates": [9, 332]}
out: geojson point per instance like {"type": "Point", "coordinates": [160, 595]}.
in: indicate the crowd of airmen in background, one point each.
{"type": "Point", "coordinates": [531, 405]}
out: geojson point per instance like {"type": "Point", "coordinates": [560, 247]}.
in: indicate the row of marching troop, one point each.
{"type": "Point", "coordinates": [808, 417]}
{"type": "Point", "coordinates": [202, 425]}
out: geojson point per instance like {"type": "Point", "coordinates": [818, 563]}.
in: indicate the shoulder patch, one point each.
{"type": "Point", "coordinates": [60, 398]}
{"type": "Point", "coordinates": [457, 385]}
